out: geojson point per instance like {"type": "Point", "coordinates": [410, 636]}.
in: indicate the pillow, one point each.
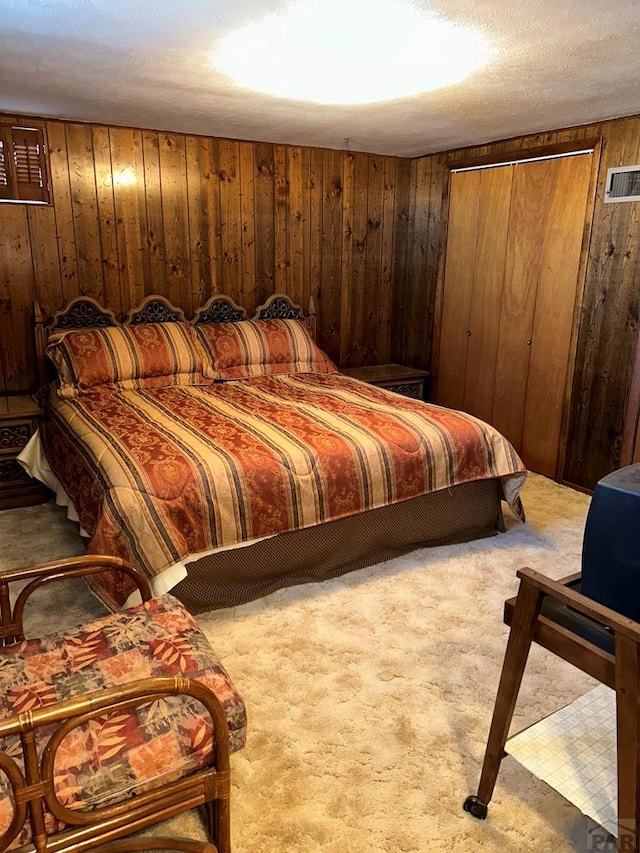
{"type": "Point", "coordinates": [260, 347]}
{"type": "Point", "coordinates": [151, 355]}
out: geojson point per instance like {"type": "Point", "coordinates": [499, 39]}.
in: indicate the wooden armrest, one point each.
{"type": "Point", "coordinates": [117, 698]}
{"type": "Point", "coordinates": [11, 620]}
{"type": "Point", "coordinates": [582, 603]}
{"type": "Point", "coordinates": [62, 718]}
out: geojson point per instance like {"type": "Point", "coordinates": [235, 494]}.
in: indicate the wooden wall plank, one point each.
{"type": "Point", "coordinates": [631, 415]}
{"type": "Point", "coordinates": [157, 261]}
{"type": "Point", "coordinates": [383, 323]}
{"type": "Point", "coordinates": [84, 209]}
{"type": "Point", "coordinates": [210, 223]}
{"type": "Point", "coordinates": [346, 286]}
{"type": "Point", "coordinates": [106, 216]}
{"type": "Point", "coordinates": [247, 292]}
{"type": "Point", "coordinates": [416, 303]}
{"type": "Point", "coordinates": [296, 220]}
{"type": "Point", "coordinates": [330, 301]}
{"type": "Point", "coordinates": [370, 292]}
{"type": "Point", "coordinates": [44, 254]}
{"type": "Point", "coordinates": [61, 192]}
{"type": "Point", "coordinates": [198, 284]}
{"type": "Point", "coordinates": [356, 327]}
{"type": "Point", "coordinates": [139, 194]}
{"type": "Point", "coordinates": [130, 231]}
{"type": "Point", "coordinates": [424, 356]}
{"type": "Point", "coordinates": [230, 218]}
{"type": "Point", "coordinates": [264, 205]}
{"type": "Point", "coordinates": [175, 217]}
{"type": "Point", "coordinates": [16, 295]}
{"type": "Point", "coordinates": [314, 224]}
{"type": "Point", "coordinates": [402, 231]}
{"type": "Point", "coordinates": [281, 187]}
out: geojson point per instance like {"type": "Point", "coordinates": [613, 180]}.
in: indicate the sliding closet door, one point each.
{"type": "Point", "coordinates": [528, 216]}
{"type": "Point", "coordinates": [511, 274]}
{"type": "Point", "coordinates": [558, 267]}
{"type": "Point", "coordinates": [487, 272]}
{"type": "Point", "coordinates": [476, 243]}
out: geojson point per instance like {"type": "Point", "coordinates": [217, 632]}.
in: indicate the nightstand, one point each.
{"type": "Point", "coordinates": [408, 381]}
{"type": "Point", "coordinates": [19, 418]}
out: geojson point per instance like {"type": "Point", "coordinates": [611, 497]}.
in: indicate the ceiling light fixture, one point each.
{"type": "Point", "coordinates": [351, 52]}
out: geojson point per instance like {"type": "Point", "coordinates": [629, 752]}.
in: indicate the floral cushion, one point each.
{"type": "Point", "coordinates": [260, 347]}
{"type": "Point", "coordinates": [121, 753]}
{"type": "Point", "coordinates": [151, 355]}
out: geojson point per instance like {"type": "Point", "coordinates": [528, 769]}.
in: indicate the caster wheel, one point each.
{"type": "Point", "coordinates": [475, 807]}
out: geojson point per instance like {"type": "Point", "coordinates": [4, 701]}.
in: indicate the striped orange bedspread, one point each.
{"type": "Point", "coordinates": [160, 474]}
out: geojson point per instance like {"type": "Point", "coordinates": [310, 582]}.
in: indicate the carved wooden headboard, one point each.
{"type": "Point", "coordinates": [84, 312]}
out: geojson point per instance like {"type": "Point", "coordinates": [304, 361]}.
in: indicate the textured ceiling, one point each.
{"type": "Point", "coordinates": [146, 63]}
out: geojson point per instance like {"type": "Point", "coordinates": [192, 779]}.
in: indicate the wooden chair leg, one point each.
{"type": "Point", "coordinates": [526, 612]}
{"type": "Point", "coordinates": [628, 742]}
{"type": "Point", "coordinates": [216, 814]}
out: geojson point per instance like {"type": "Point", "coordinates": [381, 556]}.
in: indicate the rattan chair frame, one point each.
{"type": "Point", "coordinates": [33, 783]}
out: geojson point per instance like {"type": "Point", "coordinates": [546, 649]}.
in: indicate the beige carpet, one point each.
{"type": "Point", "coordinates": [369, 696]}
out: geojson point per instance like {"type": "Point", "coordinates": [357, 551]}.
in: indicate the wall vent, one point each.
{"type": "Point", "coordinates": [623, 184]}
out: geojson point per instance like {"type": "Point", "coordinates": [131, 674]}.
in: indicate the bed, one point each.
{"type": "Point", "coordinates": [228, 457]}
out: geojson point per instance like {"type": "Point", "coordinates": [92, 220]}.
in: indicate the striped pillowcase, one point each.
{"type": "Point", "coordinates": [151, 355]}
{"type": "Point", "coordinates": [251, 348]}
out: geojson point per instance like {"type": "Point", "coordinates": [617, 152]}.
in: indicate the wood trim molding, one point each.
{"type": "Point", "coordinates": [515, 155]}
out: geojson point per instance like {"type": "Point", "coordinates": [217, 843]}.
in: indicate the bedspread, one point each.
{"type": "Point", "coordinates": [158, 474]}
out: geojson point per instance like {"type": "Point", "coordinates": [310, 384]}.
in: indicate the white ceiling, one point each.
{"type": "Point", "coordinates": [147, 63]}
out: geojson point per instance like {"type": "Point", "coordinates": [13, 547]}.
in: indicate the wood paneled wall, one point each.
{"type": "Point", "coordinates": [138, 211]}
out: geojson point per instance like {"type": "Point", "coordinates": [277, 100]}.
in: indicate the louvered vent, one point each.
{"type": "Point", "coordinates": [4, 178]}
{"type": "Point", "coordinates": [26, 157]}
{"type": "Point", "coordinates": [623, 184]}
{"type": "Point", "coordinates": [23, 167]}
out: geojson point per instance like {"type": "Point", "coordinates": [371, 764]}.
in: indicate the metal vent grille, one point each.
{"type": "Point", "coordinates": [623, 184]}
